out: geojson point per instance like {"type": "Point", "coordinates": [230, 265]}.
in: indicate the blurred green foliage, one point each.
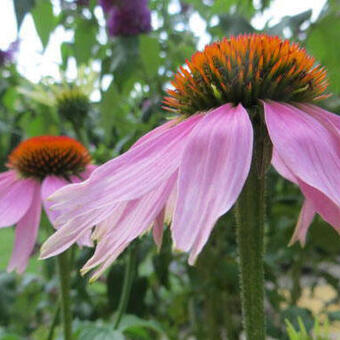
{"type": "Point", "coordinates": [169, 299]}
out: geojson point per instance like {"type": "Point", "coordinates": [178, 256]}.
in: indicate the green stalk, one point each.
{"type": "Point", "coordinates": [250, 217]}
{"type": "Point", "coordinates": [63, 261]}
{"type": "Point", "coordinates": [127, 284]}
{"type": "Point", "coordinates": [54, 323]}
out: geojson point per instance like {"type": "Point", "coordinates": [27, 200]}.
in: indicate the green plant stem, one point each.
{"type": "Point", "coordinates": [64, 278]}
{"type": "Point", "coordinates": [250, 216]}
{"type": "Point", "coordinates": [127, 284]}
{"type": "Point", "coordinates": [54, 323]}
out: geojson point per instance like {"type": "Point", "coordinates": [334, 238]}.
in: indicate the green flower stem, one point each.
{"type": "Point", "coordinates": [250, 216]}
{"type": "Point", "coordinates": [54, 323]}
{"type": "Point", "coordinates": [127, 284]}
{"type": "Point", "coordinates": [64, 278]}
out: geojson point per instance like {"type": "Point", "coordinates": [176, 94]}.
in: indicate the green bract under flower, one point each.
{"type": "Point", "coordinates": [73, 104]}
{"type": "Point", "coordinates": [245, 69]}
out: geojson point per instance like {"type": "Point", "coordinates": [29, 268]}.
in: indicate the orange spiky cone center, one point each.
{"type": "Point", "coordinates": [42, 156]}
{"type": "Point", "coordinates": [246, 69]}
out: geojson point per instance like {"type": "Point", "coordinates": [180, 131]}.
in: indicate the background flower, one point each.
{"type": "Point", "coordinates": [38, 167]}
{"type": "Point", "coordinates": [128, 17]}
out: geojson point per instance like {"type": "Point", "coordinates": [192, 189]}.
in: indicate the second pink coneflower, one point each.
{"type": "Point", "coordinates": [38, 167]}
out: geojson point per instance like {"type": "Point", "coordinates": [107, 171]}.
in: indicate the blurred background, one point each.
{"type": "Point", "coordinates": [78, 68]}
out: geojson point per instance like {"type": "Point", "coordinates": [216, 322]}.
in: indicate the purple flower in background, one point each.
{"type": "Point", "coordinates": [128, 17]}
{"type": "Point", "coordinates": [8, 55]}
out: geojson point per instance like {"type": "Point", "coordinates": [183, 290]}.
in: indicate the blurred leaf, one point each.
{"type": "Point", "coordinates": [131, 321]}
{"type": "Point", "coordinates": [149, 51]}
{"type": "Point", "coordinates": [292, 22]}
{"type": "Point", "coordinates": [324, 43]}
{"type": "Point", "coordinates": [231, 24]}
{"type": "Point", "coordinates": [84, 40]}
{"type": "Point", "coordinates": [44, 20]}
{"type": "Point", "coordinates": [100, 333]}
{"type": "Point", "coordinates": [334, 316]}
{"type": "Point", "coordinates": [21, 8]}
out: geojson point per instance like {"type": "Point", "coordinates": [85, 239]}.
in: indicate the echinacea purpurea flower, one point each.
{"type": "Point", "coordinates": [37, 167]}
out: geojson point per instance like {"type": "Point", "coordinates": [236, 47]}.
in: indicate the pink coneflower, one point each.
{"type": "Point", "coordinates": [38, 167]}
{"type": "Point", "coordinates": [192, 169]}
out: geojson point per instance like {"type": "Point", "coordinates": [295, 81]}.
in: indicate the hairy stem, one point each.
{"type": "Point", "coordinates": [250, 216]}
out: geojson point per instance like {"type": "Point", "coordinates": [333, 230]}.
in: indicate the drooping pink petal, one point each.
{"type": "Point", "coordinates": [7, 178]}
{"type": "Point", "coordinates": [281, 167]}
{"type": "Point", "coordinates": [15, 198]}
{"type": "Point", "coordinates": [135, 220]}
{"type": "Point", "coordinates": [130, 175]}
{"type": "Point", "coordinates": [105, 226]}
{"type": "Point", "coordinates": [26, 233]}
{"type": "Point", "coordinates": [309, 149]}
{"type": "Point", "coordinates": [72, 231]}
{"type": "Point", "coordinates": [213, 170]}
{"type": "Point", "coordinates": [326, 208]}
{"type": "Point", "coordinates": [329, 119]}
{"type": "Point", "coordinates": [305, 219]}
{"type": "Point", "coordinates": [50, 185]}
{"type": "Point", "coordinates": [156, 132]}
{"type": "Point", "coordinates": [157, 230]}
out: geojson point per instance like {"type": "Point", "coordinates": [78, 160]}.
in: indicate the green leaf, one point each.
{"type": "Point", "coordinates": [149, 51]}
{"type": "Point", "coordinates": [130, 322]}
{"type": "Point", "coordinates": [100, 333]}
{"type": "Point", "coordinates": [84, 40]}
{"type": "Point", "coordinates": [324, 43]}
{"type": "Point", "coordinates": [21, 8]}
{"type": "Point", "coordinates": [44, 20]}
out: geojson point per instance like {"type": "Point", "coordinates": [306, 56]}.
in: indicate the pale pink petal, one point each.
{"type": "Point", "coordinates": [156, 132]}
{"type": "Point", "coordinates": [157, 231]}
{"type": "Point", "coordinates": [15, 199]}
{"type": "Point", "coordinates": [212, 173]}
{"type": "Point", "coordinates": [135, 220]}
{"type": "Point", "coordinates": [130, 175]}
{"type": "Point", "coordinates": [329, 119]}
{"type": "Point", "coordinates": [71, 232]}
{"type": "Point", "coordinates": [26, 233]}
{"type": "Point", "coordinates": [308, 149]}
{"type": "Point", "coordinates": [281, 167]}
{"type": "Point", "coordinates": [170, 206]}
{"type": "Point", "coordinates": [305, 219]}
{"type": "Point", "coordinates": [105, 226]}
{"type": "Point", "coordinates": [50, 185]}
{"type": "Point", "coordinates": [326, 208]}
{"type": "Point", "coordinates": [7, 178]}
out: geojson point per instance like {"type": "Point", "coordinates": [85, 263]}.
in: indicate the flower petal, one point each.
{"type": "Point", "coordinates": [326, 208]}
{"type": "Point", "coordinates": [309, 150]}
{"type": "Point", "coordinates": [135, 220]}
{"type": "Point", "coordinates": [130, 175]}
{"type": "Point", "coordinates": [26, 233]}
{"type": "Point", "coordinates": [15, 199]}
{"type": "Point", "coordinates": [158, 227]}
{"type": "Point", "coordinates": [305, 219]}
{"type": "Point", "coordinates": [329, 119]}
{"type": "Point", "coordinates": [329, 211]}
{"type": "Point", "coordinates": [50, 185]}
{"type": "Point", "coordinates": [212, 173]}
